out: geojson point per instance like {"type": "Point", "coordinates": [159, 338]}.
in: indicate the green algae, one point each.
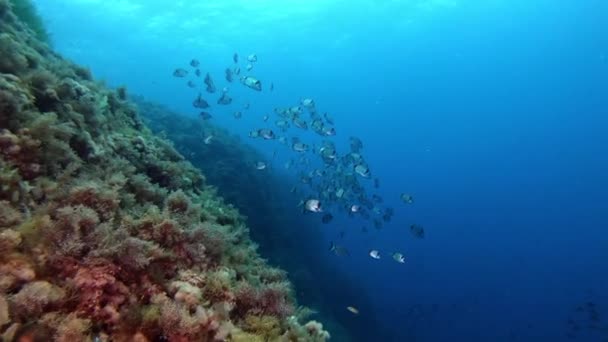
{"type": "Point", "coordinates": [26, 11]}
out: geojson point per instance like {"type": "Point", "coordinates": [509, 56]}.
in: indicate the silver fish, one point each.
{"type": "Point", "coordinates": [362, 170]}
{"type": "Point", "coordinates": [252, 83]}
{"type": "Point", "coordinates": [237, 115]}
{"type": "Point", "coordinates": [235, 57]}
{"type": "Point", "coordinates": [191, 84]}
{"type": "Point", "coordinates": [408, 199]}
{"type": "Point", "coordinates": [266, 133]}
{"type": "Point", "coordinates": [313, 205]}
{"type": "Point", "coordinates": [398, 257]}
{"type": "Point", "coordinates": [194, 63]}
{"type": "Point", "coordinates": [249, 67]}
{"type": "Point", "coordinates": [374, 254]}
{"type": "Point", "coordinates": [205, 115]}
{"type": "Point", "coordinates": [252, 58]}
{"type": "Point", "coordinates": [338, 250]}
{"type": "Point", "coordinates": [299, 147]}
{"type": "Point", "coordinates": [260, 165]}
{"type": "Point", "coordinates": [308, 103]}
{"type": "Point", "coordinates": [208, 139]}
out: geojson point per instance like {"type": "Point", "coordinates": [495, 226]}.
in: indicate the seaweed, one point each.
{"type": "Point", "coordinates": [26, 11]}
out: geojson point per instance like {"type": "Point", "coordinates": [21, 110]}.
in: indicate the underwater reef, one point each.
{"type": "Point", "coordinates": [106, 232]}
{"type": "Point", "coordinates": [285, 236]}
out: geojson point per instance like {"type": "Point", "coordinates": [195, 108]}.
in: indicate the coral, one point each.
{"type": "Point", "coordinates": [186, 293]}
{"type": "Point", "coordinates": [100, 293]}
{"type": "Point", "coordinates": [9, 216]}
{"type": "Point", "coordinates": [103, 201]}
{"type": "Point", "coordinates": [14, 271]}
{"type": "Point", "coordinates": [72, 328]}
{"type": "Point", "coordinates": [273, 299]}
{"type": "Point", "coordinates": [180, 324]}
{"type": "Point", "coordinates": [267, 326]}
{"type": "Point", "coordinates": [311, 331]}
{"type": "Point", "coordinates": [37, 297]}
{"type": "Point", "coordinates": [4, 313]}
{"type": "Point", "coordinates": [9, 240]}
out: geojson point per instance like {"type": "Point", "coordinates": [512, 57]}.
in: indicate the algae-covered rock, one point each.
{"type": "Point", "coordinates": [106, 231]}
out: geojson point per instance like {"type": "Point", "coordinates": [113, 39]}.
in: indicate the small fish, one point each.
{"type": "Point", "coordinates": [205, 115]}
{"type": "Point", "coordinates": [417, 231]}
{"type": "Point", "coordinates": [260, 165]}
{"type": "Point", "coordinates": [398, 257]}
{"type": "Point", "coordinates": [210, 85]}
{"type": "Point", "coordinates": [249, 67]}
{"type": "Point", "coordinates": [199, 102]}
{"type": "Point", "coordinates": [407, 199]}
{"type": "Point", "coordinates": [374, 254]}
{"type": "Point", "coordinates": [266, 133]}
{"type": "Point", "coordinates": [271, 86]}
{"type": "Point", "coordinates": [354, 208]}
{"type": "Point", "coordinates": [376, 183]}
{"type": "Point", "coordinates": [180, 72]}
{"type": "Point", "coordinates": [237, 115]}
{"type": "Point", "coordinates": [252, 58]}
{"type": "Point", "coordinates": [235, 58]}
{"type": "Point", "coordinates": [254, 134]}
{"type": "Point", "coordinates": [327, 218]}
{"type": "Point", "coordinates": [246, 105]}
{"type": "Point", "coordinates": [338, 250]}
{"type": "Point", "coordinates": [362, 170]}
{"type": "Point", "coordinates": [237, 71]}
{"type": "Point", "coordinates": [313, 205]}
{"type": "Point", "coordinates": [265, 118]}
{"type": "Point", "coordinates": [282, 124]}
{"type": "Point", "coordinates": [197, 72]}
{"type": "Point", "coordinates": [355, 144]}
{"type": "Point", "coordinates": [252, 83]}
{"type": "Point", "coordinates": [229, 76]}
{"type": "Point", "coordinates": [328, 119]}
{"type": "Point", "coordinates": [299, 147]}
{"type": "Point", "coordinates": [225, 99]}
{"type": "Point", "coordinates": [328, 131]}
{"type": "Point", "coordinates": [191, 84]}
{"type": "Point", "coordinates": [208, 139]}
{"type": "Point", "coordinates": [194, 63]}
{"type": "Point", "coordinates": [308, 103]}
{"type": "Point", "coordinates": [353, 310]}
{"type": "Point", "coordinates": [300, 123]}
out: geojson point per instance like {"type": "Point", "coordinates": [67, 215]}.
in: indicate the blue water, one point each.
{"type": "Point", "coordinates": [493, 114]}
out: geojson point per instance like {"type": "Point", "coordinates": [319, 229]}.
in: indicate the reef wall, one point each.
{"type": "Point", "coordinates": [106, 231]}
{"type": "Point", "coordinates": [286, 237]}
